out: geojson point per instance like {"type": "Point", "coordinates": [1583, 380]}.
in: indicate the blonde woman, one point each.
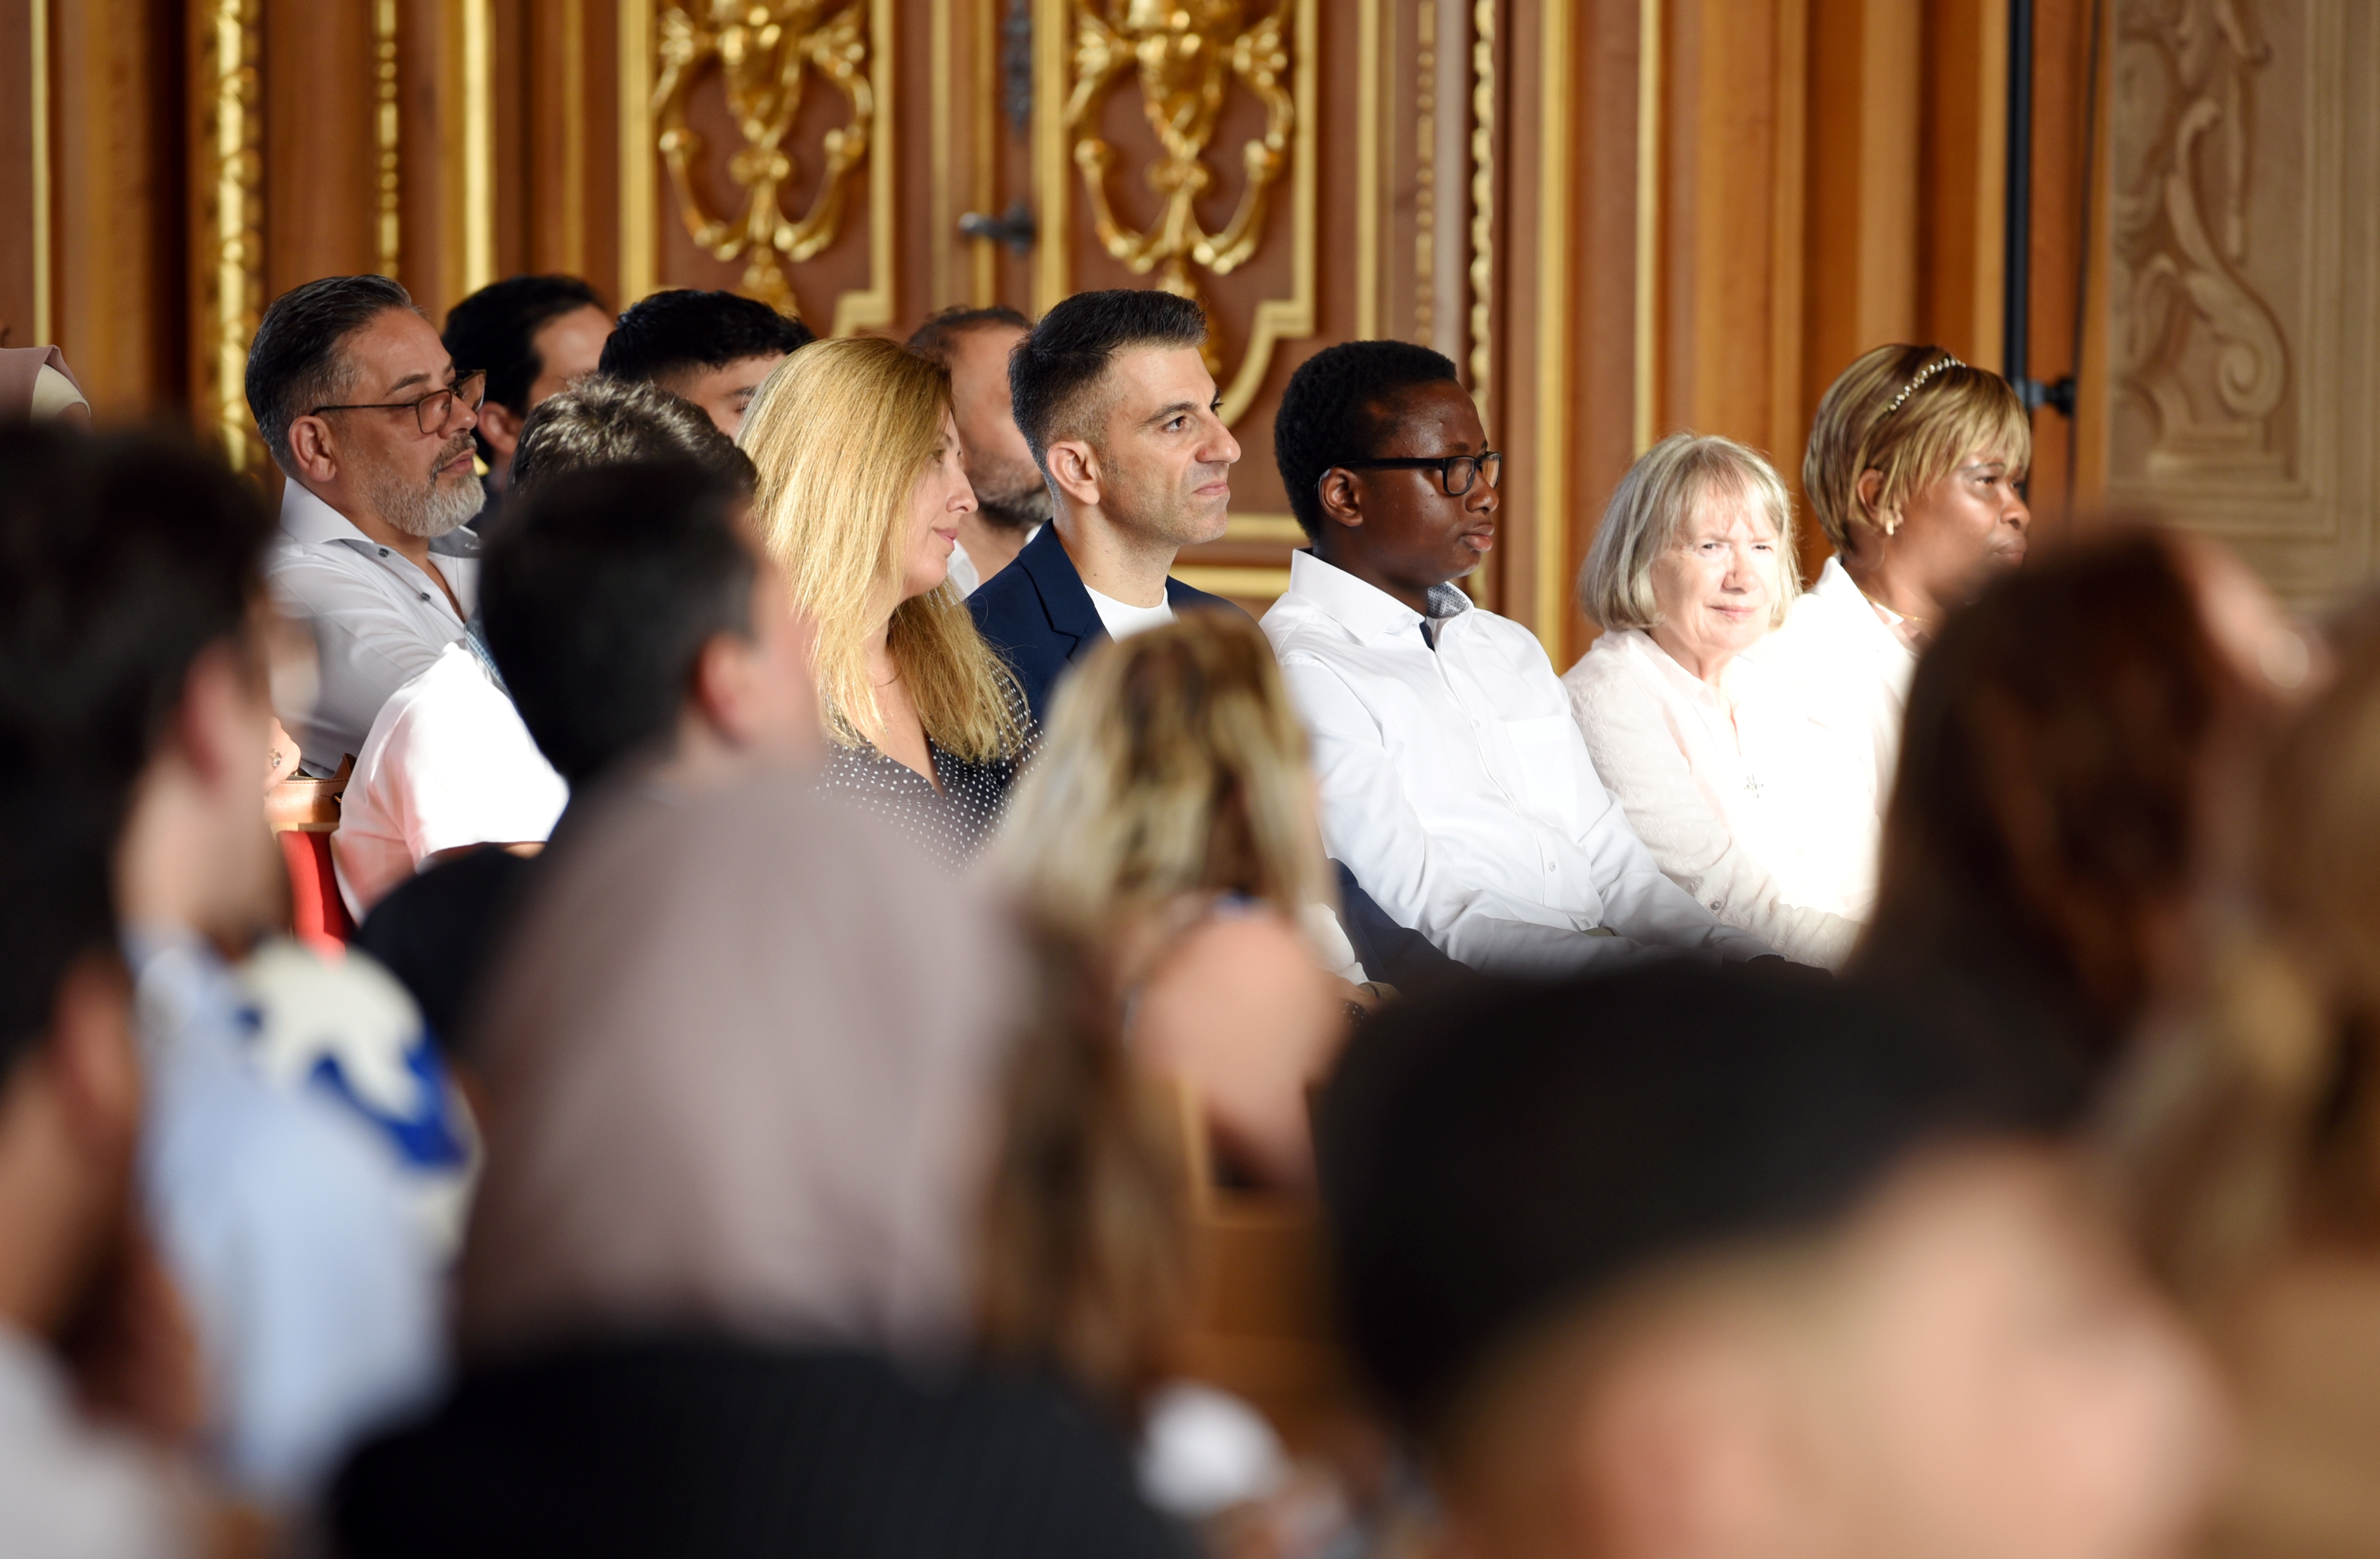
{"type": "Point", "coordinates": [1168, 822]}
{"type": "Point", "coordinates": [860, 491]}
{"type": "Point", "coordinates": [1915, 471]}
{"type": "Point", "coordinates": [1744, 799]}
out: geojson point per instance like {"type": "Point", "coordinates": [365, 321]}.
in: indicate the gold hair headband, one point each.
{"type": "Point", "coordinates": [1928, 371]}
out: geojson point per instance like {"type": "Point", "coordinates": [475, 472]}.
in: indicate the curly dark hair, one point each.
{"type": "Point", "coordinates": [670, 331]}
{"type": "Point", "coordinates": [1333, 411]}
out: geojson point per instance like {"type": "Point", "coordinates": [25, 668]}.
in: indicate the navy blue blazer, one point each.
{"type": "Point", "coordinates": [1037, 616]}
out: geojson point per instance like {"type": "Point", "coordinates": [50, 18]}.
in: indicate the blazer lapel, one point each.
{"type": "Point", "coordinates": [1063, 599]}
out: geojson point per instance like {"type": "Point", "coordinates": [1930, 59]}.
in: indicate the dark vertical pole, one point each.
{"type": "Point", "coordinates": [2017, 276]}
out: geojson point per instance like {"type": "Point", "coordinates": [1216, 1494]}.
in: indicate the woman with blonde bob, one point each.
{"type": "Point", "coordinates": [1915, 471]}
{"type": "Point", "coordinates": [1168, 821]}
{"type": "Point", "coordinates": [859, 494]}
{"type": "Point", "coordinates": [1743, 798]}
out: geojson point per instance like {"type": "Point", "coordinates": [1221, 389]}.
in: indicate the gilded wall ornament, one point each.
{"type": "Point", "coordinates": [1186, 54]}
{"type": "Point", "coordinates": [764, 53]}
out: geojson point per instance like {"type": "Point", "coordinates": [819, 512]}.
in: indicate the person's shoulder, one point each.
{"type": "Point", "coordinates": [1009, 599]}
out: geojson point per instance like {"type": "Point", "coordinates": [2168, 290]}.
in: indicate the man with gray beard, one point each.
{"type": "Point", "coordinates": [371, 422]}
{"type": "Point", "coordinates": [1012, 499]}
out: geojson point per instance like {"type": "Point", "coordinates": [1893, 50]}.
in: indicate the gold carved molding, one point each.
{"type": "Point", "coordinates": [1185, 61]}
{"type": "Point", "coordinates": [2191, 338]}
{"type": "Point", "coordinates": [232, 178]}
{"type": "Point", "coordinates": [764, 54]}
{"type": "Point", "coordinates": [386, 232]}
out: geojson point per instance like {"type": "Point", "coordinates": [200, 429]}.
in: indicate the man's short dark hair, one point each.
{"type": "Point", "coordinates": [674, 332]}
{"type": "Point", "coordinates": [1500, 1160]}
{"type": "Point", "coordinates": [294, 363]}
{"type": "Point", "coordinates": [616, 422]}
{"type": "Point", "coordinates": [598, 596]}
{"type": "Point", "coordinates": [495, 330]}
{"type": "Point", "coordinates": [122, 559]}
{"type": "Point", "coordinates": [933, 340]}
{"type": "Point", "coordinates": [1335, 407]}
{"type": "Point", "coordinates": [55, 911]}
{"type": "Point", "coordinates": [1055, 371]}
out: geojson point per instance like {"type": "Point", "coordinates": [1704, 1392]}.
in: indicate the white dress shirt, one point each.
{"type": "Point", "coordinates": [1457, 789]}
{"type": "Point", "coordinates": [378, 620]}
{"type": "Point", "coordinates": [1841, 650]}
{"type": "Point", "coordinates": [70, 1490]}
{"type": "Point", "coordinates": [447, 764]}
{"type": "Point", "coordinates": [1746, 800]}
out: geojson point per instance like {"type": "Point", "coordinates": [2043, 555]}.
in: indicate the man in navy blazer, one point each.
{"type": "Point", "coordinates": [1120, 413]}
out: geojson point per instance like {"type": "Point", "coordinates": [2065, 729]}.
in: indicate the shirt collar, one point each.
{"type": "Point", "coordinates": [306, 516]}
{"type": "Point", "coordinates": [1365, 609]}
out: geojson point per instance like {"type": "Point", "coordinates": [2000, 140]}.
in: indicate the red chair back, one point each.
{"type": "Point", "coordinates": [316, 912]}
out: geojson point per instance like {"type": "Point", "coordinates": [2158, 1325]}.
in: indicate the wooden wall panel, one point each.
{"type": "Point", "coordinates": [322, 163]}
{"type": "Point", "coordinates": [23, 283]}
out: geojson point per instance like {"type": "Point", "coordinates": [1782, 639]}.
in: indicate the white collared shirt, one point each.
{"type": "Point", "coordinates": [1747, 802]}
{"type": "Point", "coordinates": [447, 764]}
{"type": "Point", "coordinates": [1852, 669]}
{"type": "Point", "coordinates": [1457, 789]}
{"type": "Point", "coordinates": [378, 620]}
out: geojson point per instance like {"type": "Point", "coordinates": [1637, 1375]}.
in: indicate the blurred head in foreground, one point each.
{"type": "Point", "coordinates": [1169, 821]}
{"type": "Point", "coordinates": [1687, 1262]}
{"type": "Point", "coordinates": [2075, 790]}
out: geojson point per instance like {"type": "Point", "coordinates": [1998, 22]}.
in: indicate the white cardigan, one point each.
{"type": "Point", "coordinates": [1747, 802]}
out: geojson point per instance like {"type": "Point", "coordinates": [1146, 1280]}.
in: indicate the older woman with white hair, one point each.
{"type": "Point", "coordinates": [1747, 802]}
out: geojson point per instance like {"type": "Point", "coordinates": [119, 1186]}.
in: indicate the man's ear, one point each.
{"type": "Point", "coordinates": [93, 1058]}
{"type": "Point", "coordinates": [1074, 468]}
{"type": "Point", "coordinates": [314, 448]}
{"type": "Point", "coordinates": [223, 726]}
{"type": "Point", "coordinates": [500, 425]}
{"type": "Point", "coordinates": [1342, 500]}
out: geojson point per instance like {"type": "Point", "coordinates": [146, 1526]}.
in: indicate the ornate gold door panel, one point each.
{"type": "Point", "coordinates": [2244, 330]}
{"type": "Point", "coordinates": [775, 125]}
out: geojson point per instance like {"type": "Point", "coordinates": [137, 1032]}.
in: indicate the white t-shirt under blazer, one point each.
{"type": "Point", "coordinates": [1457, 789]}
{"type": "Point", "coordinates": [448, 763]}
{"type": "Point", "coordinates": [1748, 802]}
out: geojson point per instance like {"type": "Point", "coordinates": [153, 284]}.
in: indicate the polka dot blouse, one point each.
{"type": "Point", "coordinates": [952, 824]}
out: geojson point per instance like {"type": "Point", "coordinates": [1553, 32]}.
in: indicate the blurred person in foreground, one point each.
{"type": "Point", "coordinates": [1168, 821]}
{"type": "Point", "coordinates": [448, 766]}
{"type": "Point", "coordinates": [711, 348]}
{"type": "Point", "coordinates": [1455, 785]}
{"type": "Point", "coordinates": [1121, 416]}
{"type": "Point", "coordinates": [2072, 815]}
{"type": "Point", "coordinates": [2250, 1136]}
{"type": "Point", "coordinates": [641, 637]}
{"type": "Point", "coordinates": [1010, 497]}
{"type": "Point", "coordinates": [75, 1479]}
{"type": "Point", "coordinates": [371, 420]}
{"type": "Point", "coordinates": [861, 491]}
{"type": "Point", "coordinates": [303, 1155]}
{"type": "Point", "coordinates": [1683, 1264]}
{"type": "Point", "coordinates": [533, 336]}
{"type": "Point", "coordinates": [1741, 795]}
{"type": "Point", "coordinates": [743, 1062]}
{"type": "Point", "coordinates": [1915, 469]}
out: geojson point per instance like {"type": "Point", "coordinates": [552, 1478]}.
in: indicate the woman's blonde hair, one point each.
{"type": "Point", "coordinates": [1653, 501]}
{"type": "Point", "coordinates": [840, 434]}
{"type": "Point", "coordinates": [1911, 413]}
{"type": "Point", "coordinates": [1173, 764]}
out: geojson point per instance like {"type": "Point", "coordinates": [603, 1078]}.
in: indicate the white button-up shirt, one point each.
{"type": "Point", "coordinates": [1748, 802]}
{"type": "Point", "coordinates": [1457, 789]}
{"type": "Point", "coordinates": [1841, 650]}
{"type": "Point", "coordinates": [378, 621]}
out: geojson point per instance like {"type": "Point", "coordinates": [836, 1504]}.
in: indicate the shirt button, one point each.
{"type": "Point", "coordinates": [1716, 906]}
{"type": "Point", "coordinates": [425, 594]}
{"type": "Point", "coordinates": [383, 552]}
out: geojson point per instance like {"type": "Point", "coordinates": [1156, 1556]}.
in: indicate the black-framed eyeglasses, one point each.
{"type": "Point", "coordinates": [434, 411]}
{"type": "Point", "coordinates": [1455, 472]}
